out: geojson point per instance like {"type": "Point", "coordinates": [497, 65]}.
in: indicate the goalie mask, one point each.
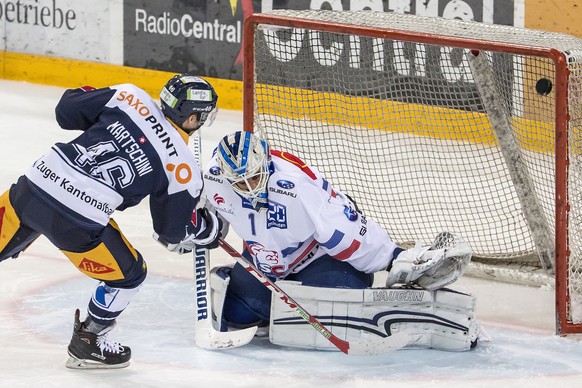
{"type": "Point", "coordinates": [244, 161]}
{"type": "Point", "coordinates": [187, 94]}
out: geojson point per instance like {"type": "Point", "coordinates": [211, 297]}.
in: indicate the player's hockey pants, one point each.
{"type": "Point", "coordinates": [101, 252]}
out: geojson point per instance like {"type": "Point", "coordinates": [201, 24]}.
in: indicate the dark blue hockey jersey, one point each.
{"type": "Point", "coordinates": [127, 151]}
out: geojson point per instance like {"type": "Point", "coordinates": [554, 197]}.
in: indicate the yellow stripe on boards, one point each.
{"type": "Point", "coordinates": [393, 116]}
{"type": "Point", "coordinates": [69, 73]}
{"type": "Point", "coordinates": [356, 111]}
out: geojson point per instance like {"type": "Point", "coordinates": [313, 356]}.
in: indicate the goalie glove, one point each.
{"type": "Point", "coordinates": [431, 267]}
{"type": "Point", "coordinates": [205, 231]}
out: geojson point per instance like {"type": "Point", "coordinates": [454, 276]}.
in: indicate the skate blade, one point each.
{"type": "Point", "coordinates": [76, 363]}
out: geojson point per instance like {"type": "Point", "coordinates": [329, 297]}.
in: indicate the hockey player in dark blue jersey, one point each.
{"type": "Point", "coordinates": [129, 148]}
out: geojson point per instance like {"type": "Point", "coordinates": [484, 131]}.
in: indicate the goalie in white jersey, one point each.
{"type": "Point", "coordinates": [297, 227]}
{"type": "Point", "coordinates": [127, 149]}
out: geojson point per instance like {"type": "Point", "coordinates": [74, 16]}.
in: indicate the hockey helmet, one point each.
{"type": "Point", "coordinates": [187, 94]}
{"type": "Point", "coordinates": [244, 161]}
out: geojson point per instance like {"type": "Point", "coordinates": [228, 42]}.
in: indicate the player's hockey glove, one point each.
{"type": "Point", "coordinates": [205, 231]}
{"type": "Point", "coordinates": [431, 267]}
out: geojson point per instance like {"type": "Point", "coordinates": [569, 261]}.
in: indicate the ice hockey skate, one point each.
{"type": "Point", "coordinates": [89, 350]}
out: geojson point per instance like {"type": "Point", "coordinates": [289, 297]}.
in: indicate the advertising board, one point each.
{"type": "Point", "coordinates": [205, 37]}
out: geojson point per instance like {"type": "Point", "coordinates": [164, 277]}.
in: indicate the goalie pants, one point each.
{"type": "Point", "coordinates": [248, 301]}
{"type": "Point", "coordinates": [101, 252]}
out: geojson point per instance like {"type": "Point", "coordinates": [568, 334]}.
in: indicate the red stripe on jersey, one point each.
{"type": "Point", "coordinates": [294, 160]}
{"type": "Point", "coordinates": [87, 88]}
{"type": "Point", "coordinates": [347, 253]}
{"type": "Point", "coordinates": [194, 218]}
{"type": "Point", "coordinates": [303, 254]}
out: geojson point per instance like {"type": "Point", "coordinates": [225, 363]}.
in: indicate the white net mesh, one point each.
{"type": "Point", "coordinates": [398, 123]}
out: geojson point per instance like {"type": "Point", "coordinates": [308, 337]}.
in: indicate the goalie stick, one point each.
{"type": "Point", "coordinates": [354, 347]}
{"type": "Point", "coordinates": [206, 337]}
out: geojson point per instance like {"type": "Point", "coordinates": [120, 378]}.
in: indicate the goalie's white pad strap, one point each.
{"type": "Point", "coordinates": [442, 319]}
{"type": "Point", "coordinates": [218, 286]}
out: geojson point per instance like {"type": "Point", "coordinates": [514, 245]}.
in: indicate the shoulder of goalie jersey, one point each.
{"type": "Point", "coordinates": [213, 173]}
{"type": "Point", "coordinates": [288, 185]}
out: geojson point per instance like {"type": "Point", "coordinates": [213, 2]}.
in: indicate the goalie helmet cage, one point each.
{"type": "Point", "coordinates": [433, 124]}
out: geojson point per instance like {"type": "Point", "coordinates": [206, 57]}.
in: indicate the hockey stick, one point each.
{"type": "Point", "coordinates": [354, 347]}
{"type": "Point", "coordinates": [197, 143]}
{"type": "Point", "coordinates": [206, 337]}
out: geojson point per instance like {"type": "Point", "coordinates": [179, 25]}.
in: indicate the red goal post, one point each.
{"type": "Point", "coordinates": [434, 124]}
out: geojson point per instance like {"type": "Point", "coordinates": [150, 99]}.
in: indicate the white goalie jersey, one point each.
{"type": "Point", "coordinates": [306, 219]}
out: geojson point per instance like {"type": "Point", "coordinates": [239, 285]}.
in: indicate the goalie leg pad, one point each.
{"type": "Point", "coordinates": [230, 311]}
{"type": "Point", "coordinates": [442, 319]}
{"type": "Point", "coordinates": [447, 322]}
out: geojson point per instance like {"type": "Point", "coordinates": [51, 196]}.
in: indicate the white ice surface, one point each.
{"type": "Point", "coordinates": [40, 290]}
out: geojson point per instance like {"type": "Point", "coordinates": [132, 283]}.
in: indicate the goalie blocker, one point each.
{"type": "Point", "coordinates": [443, 319]}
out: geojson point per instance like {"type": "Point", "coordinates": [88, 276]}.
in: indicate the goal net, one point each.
{"type": "Point", "coordinates": [433, 124]}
